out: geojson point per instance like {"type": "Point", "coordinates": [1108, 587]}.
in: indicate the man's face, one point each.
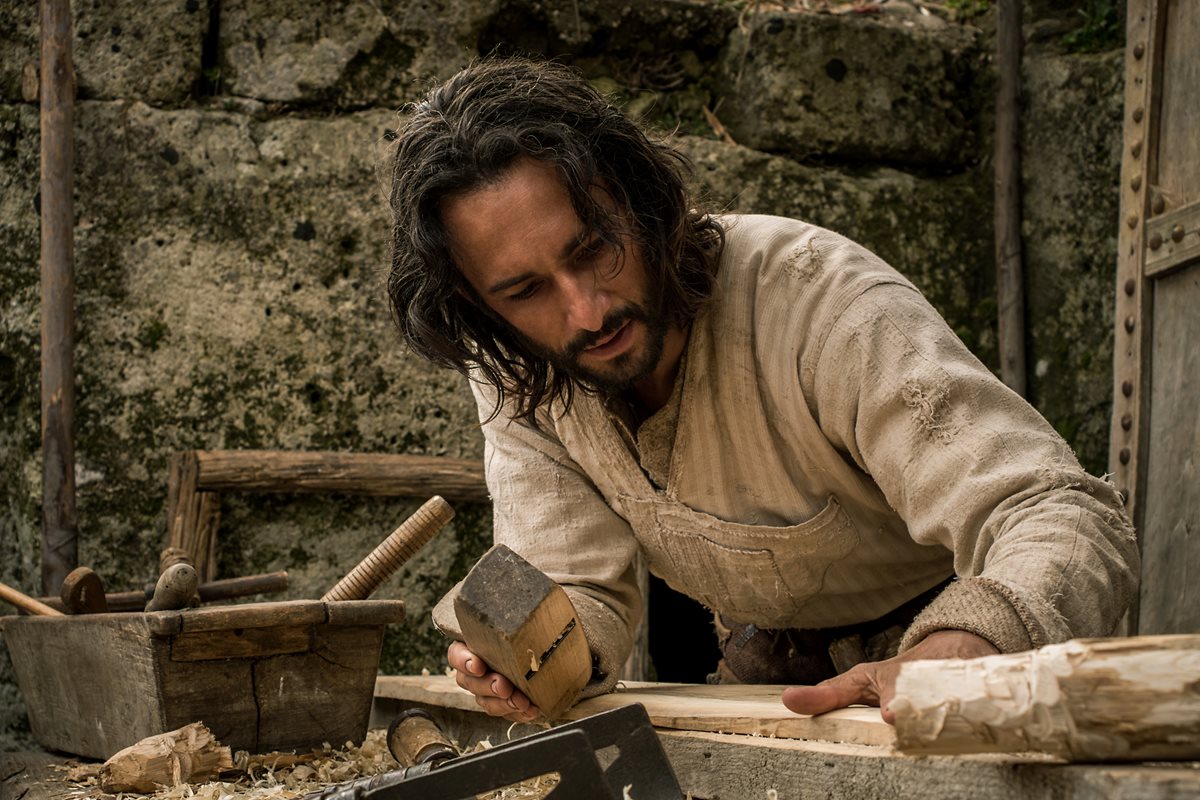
{"type": "Point", "coordinates": [579, 302]}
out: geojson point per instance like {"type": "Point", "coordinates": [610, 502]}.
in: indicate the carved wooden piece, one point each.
{"type": "Point", "coordinates": [190, 754]}
{"type": "Point", "coordinates": [524, 626]}
{"type": "Point", "coordinates": [391, 554]}
{"type": "Point", "coordinates": [178, 587]}
{"type": "Point", "coordinates": [83, 592]}
{"type": "Point", "coordinates": [261, 676]}
{"type": "Point", "coordinates": [1086, 700]}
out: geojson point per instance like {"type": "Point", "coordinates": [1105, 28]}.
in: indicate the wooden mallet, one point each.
{"type": "Point", "coordinates": [525, 627]}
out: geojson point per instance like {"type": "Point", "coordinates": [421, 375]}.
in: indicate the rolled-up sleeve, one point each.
{"type": "Point", "coordinates": [548, 511]}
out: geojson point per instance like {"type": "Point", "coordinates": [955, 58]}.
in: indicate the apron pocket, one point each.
{"type": "Point", "coordinates": [754, 573]}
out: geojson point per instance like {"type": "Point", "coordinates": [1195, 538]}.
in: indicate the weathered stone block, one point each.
{"type": "Point", "coordinates": [850, 88]}
{"type": "Point", "coordinates": [346, 54]}
{"type": "Point", "coordinates": [121, 48]}
{"type": "Point", "coordinates": [928, 229]}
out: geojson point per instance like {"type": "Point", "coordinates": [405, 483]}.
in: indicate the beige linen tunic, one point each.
{"type": "Point", "coordinates": [837, 451]}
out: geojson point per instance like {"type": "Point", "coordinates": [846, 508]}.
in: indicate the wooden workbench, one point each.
{"type": "Point", "coordinates": [726, 766]}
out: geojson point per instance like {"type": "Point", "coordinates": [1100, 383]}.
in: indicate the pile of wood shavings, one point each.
{"type": "Point", "coordinates": [287, 777]}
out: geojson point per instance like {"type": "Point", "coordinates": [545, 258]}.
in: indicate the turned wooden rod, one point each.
{"type": "Point", "coordinates": [1010, 281]}
{"type": "Point", "coordinates": [211, 592]}
{"type": "Point", "coordinates": [57, 90]}
{"type": "Point", "coordinates": [377, 474]}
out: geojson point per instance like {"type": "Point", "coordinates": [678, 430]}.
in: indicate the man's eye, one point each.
{"type": "Point", "coordinates": [525, 293]}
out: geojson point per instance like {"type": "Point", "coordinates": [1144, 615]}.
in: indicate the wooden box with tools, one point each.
{"type": "Point", "coordinates": [261, 676]}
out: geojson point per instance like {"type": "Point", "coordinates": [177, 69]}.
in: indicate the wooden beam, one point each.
{"type": "Point", "coordinates": [57, 91]}
{"type": "Point", "coordinates": [378, 474]}
{"type": "Point", "coordinates": [1010, 285]}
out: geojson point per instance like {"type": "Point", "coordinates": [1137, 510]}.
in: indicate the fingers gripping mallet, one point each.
{"type": "Point", "coordinates": [524, 626]}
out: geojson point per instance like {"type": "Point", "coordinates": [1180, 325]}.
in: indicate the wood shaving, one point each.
{"type": "Point", "coordinates": [287, 776]}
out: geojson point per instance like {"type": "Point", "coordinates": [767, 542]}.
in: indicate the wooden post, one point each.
{"type": "Point", "coordinates": [59, 544]}
{"type": "Point", "coordinates": [1010, 291]}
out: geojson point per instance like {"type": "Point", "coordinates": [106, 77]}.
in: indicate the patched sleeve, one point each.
{"type": "Point", "coordinates": [1043, 551]}
{"type": "Point", "coordinates": [548, 511]}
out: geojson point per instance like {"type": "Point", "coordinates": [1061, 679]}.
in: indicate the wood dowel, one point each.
{"type": "Point", "coordinates": [21, 600]}
{"type": "Point", "coordinates": [378, 474]}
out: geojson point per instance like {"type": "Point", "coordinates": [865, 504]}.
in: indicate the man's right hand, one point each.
{"type": "Point", "coordinates": [494, 693]}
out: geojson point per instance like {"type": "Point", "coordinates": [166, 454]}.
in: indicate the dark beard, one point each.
{"type": "Point", "coordinates": [623, 371]}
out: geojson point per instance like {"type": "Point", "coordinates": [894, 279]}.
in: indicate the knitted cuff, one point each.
{"type": "Point", "coordinates": [984, 607]}
{"type": "Point", "coordinates": [604, 633]}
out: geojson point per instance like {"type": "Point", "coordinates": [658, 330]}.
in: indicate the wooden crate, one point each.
{"type": "Point", "coordinates": [261, 676]}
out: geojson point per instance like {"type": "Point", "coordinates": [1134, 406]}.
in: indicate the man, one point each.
{"type": "Point", "coordinates": [772, 416]}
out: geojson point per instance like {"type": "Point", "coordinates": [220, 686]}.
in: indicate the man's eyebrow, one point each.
{"type": "Point", "coordinates": [571, 246]}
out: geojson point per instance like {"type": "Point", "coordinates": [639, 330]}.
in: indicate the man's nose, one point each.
{"type": "Point", "coordinates": [586, 301]}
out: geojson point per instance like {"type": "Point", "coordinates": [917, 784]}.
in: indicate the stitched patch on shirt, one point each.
{"type": "Point", "coordinates": [804, 262]}
{"type": "Point", "coordinates": [928, 404]}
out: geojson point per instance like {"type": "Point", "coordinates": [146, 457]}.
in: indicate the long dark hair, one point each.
{"type": "Point", "coordinates": [466, 134]}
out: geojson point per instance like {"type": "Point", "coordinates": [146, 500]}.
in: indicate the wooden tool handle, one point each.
{"type": "Point", "coordinates": [22, 600]}
{"type": "Point", "coordinates": [414, 738]}
{"type": "Point", "coordinates": [393, 551]}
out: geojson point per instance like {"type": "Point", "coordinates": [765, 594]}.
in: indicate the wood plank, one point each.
{"type": "Point", "coordinates": [69, 670]}
{"type": "Point", "coordinates": [755, 710]}
{"type": "Point", "coordinates": [1178, 235]}
{"type": "Point", "coordinates": [1170, 596]}
{"type": "Point", "coordinates": [31, 775]}
{"type": "Point", "coordinates": [241, 643]}
{"type": "Point", "coordinates": [288, 689]}
{"type": "Point", "coordinates": [1127, 438]}
{"type": "Point", "coordinates": [378, 474]}
{"type": "Point", "coordinates": [252, 615]}
{"type": "Point", "coordinates": [365, 612]}
{"type": "Point", "coordinates": [1178, 172]}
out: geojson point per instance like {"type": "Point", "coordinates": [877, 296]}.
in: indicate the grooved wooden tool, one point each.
{"type": "Point", "coordinates": [393, 552]}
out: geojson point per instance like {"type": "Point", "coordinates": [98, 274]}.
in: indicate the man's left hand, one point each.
{"type": "Point", "coordinates": [873, 683]}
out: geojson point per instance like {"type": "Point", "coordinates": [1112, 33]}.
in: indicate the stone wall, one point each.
{"type": "Point", "coordinates": [231, 235]}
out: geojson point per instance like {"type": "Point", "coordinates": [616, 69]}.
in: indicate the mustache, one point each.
{"type": "Point", "coordinates": [612, 322]}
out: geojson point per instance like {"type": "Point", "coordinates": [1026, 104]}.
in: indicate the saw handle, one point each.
{"type": "Point", "coordinates": [392, 552]}
{"type": "Point", "coordinates": [24, 601]}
